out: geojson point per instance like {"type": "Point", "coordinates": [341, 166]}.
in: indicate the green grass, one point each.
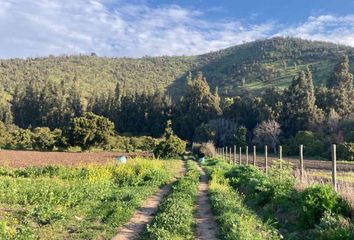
{"type": "Point", "coordinates": [234, 219]}
{"type": "Point", "coordinates": [174, 219]}
{"type": "Point", "coordinates": [317, 212]}
{"type": "Point", "coordinates": [76, 203]}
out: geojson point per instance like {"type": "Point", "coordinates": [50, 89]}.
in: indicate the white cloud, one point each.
{"type": "Point", "coordinates": [338, 29]}
{"type": "Point", "coordinates": [117, 28]}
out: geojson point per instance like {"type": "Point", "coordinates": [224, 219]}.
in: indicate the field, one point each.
{"type": "Point", "coordinates": [52, 195]}
{"type": "Point", "coordinates": [15, 158]}
{"type": "Point", "coordinates": [57, 202]}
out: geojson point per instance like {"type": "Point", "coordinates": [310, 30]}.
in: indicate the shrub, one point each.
{"type": "Point", "coordinates": [346, 151]}
{"type": "Point", "coordinates": [314, 144]}
{"type": "Point", "coordinates": [204, 149]}
{"type": "Point", "coordinates": [21, 139]}
{"type": "Point", "coordinates": [90, 130]}
{"type": "Point", "coordinates": [316, 201]}
{"type": "Point", "coordinates": [172, 146]}
{"type": "Point", "coordinates": [332, 227]}
{"type": "Point", "coordinates": [44, 139]}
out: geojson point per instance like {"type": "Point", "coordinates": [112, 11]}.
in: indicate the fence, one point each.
{"type": "Point", "coordinates": [229, 154]}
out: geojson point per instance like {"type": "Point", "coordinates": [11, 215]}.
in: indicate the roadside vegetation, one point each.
{"type": "Point", "coordinates": [76, 203]}
{"type": "Point", "coordinates": [174, 219]}
{"type": "Point", "coordinates": [316, 212]}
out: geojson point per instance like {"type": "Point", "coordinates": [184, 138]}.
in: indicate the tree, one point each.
{"type": "Point", "coordinates": [341, 89]}
{"type": "Point", "coordinates": [300, 111]}
{"type": "Point", "coordinates": [90, 130]}
{"type": "Point", "coordinates": [172, 146]}
{"type": "Point", "coordinates": [267, 133]}
{"type": "Point", "coordinates": [198, 106]}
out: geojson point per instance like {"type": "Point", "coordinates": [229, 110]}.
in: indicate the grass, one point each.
{"type": "Point", "coordinates": [76, 203]}
{"type": "Point", "coordinates": [313, 212]}
{"type": "Point", "coordinates": [174, 219]}
{"type": "Point", "coordinates": [234, 219]}
{"type": "Point", "coordinates": [341, 177]}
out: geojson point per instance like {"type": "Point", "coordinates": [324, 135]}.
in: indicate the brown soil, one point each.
{"type": "Point", "coordinates": [16, 159]}
{"type": "Point", "coordinates": [308, 163]}
{"type": "Point", "coordinates": [206, 225]}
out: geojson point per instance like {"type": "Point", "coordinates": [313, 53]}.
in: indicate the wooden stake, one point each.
{"type": "Point", "coordinates": [266, 159]}
{"type": "Point", "coordinates": [230, 156]}
{"type": "Point", "coordinates": [240, 156]}
{"type": "Point", "coordinates": [281, 156]}
{"type": "Point", "coordinates": [235, 154]}
{"type": "Point", "coordinates": [301, 163]}
{"type": "Point", "coordinates": [247, 155]}
{"type": "Point", "coordinates": [254, 155]}
{"type": "Point", "coordinates": [334, 167]}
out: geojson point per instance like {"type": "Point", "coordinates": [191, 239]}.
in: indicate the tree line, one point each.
{"type": "Point", "coordinates": [300, 111]}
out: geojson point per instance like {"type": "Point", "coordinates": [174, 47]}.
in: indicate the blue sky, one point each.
{"type": "Point", "coordinates": [137, 28]}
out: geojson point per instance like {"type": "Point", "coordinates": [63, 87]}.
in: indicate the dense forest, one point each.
{"type": "Point", "coordinates": [281, 90]}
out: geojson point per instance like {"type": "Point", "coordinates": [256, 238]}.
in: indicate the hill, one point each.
{"type": "Point", "coordinates": [235, 70]}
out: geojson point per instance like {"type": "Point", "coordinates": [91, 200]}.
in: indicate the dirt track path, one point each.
{"type": "Point", "coordinates": [144, 214]}
{"type": "Point", "coordinates": [206, 225]}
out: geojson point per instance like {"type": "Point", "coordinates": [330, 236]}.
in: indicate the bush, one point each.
{"type": "Point", "coordinates": [316, 201]}
{"type": "Point", "coordinates": [21, 139]}
{"type": "Point", "coordinates": [346, 151]}
{"type": "Point", "coordinates": [204, 149]}
{"type": "Point", "coordinates": [44, 139]}
{"type": "Point", "coordinates": [314, 144]}
{"type": "Point", "coordinates": [333, 227]}
{"type": "Point", "coordinates": [90, 130]}
{"type": "Point", "coordinates": [171, 147]}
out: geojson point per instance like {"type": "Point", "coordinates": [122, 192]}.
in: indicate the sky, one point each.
{"type": "Point", "coordinates": [136, 28]}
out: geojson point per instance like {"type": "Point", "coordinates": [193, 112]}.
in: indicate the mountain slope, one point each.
{"type": "Point", "coordinates": [251, 66]}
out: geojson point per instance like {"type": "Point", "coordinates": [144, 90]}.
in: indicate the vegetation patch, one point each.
{"type": "Point", "coordinates": [174, 219]}
{"type": "Point", "coordinates": [76, 203]}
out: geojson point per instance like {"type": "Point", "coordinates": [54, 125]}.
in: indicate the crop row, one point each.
{"type": "Point", "coordinates": [174, 219]}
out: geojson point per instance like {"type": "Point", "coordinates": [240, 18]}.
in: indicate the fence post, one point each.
{"type": "Point", "coordinates": [230, 156]}
{"type": "Point", "coordinates": [266, 159]}
{"type": "Point", "coordinates": [334, 166]}
{"type": "Point", "coordinates": [235, 154]}
{"type": "Point", "coordinates": [281, 156]}
{"type": "Point", "coordinates": [240, 156]}
{"type": "Point", "coordinates": [247, 155]}
{"type": "Point", "coordinates": [223, 152]}
{"type": "Point", "coordinates": [301, 163]}
{"type": "Point", "coordinates": [254, 155]}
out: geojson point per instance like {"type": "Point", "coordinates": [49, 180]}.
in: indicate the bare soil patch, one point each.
{"type": "Point", "coordinates": [206, 224]}
{"type": "Point", "coordinates": [17, 159]}
{"type": "Point", "coordinates": [145, 213]}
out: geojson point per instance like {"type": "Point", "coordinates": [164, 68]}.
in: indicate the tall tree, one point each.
{"type": "Point", "coordinates": [198, 106]}
{"type": "Point", "coordinates": [341, 89]}
{"type": "Point", "coordinates": [300, 111]}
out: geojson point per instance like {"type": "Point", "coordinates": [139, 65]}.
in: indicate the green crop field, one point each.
{"type": "Point", "coordinates": [76, 203]}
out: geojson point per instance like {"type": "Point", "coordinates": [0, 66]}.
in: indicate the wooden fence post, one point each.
{"type": "Point", "coordinates": [223, 153]}
{"type": "Point", "coordinates": [254, 155]}
{"type": "Point", "coordinates": [235, 154]}
{"type": "Point", "coordinates": [301, 163]}
{"type": "Point", "coordinates": [230, 156]}
{"type": "Point", "coordinates": [247, 155]}
{"type": "Point", "coordinates": [240, 156]}
{"type": "Point", "coordinates": [281, 156]}
{"type": "Point", "coordinates": [334, 166]}
{"type": "Point", "coordinates": [266, 159]}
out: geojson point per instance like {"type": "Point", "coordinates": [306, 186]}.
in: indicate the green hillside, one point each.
{"type": "Point", "coordinates": [251, 66]}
